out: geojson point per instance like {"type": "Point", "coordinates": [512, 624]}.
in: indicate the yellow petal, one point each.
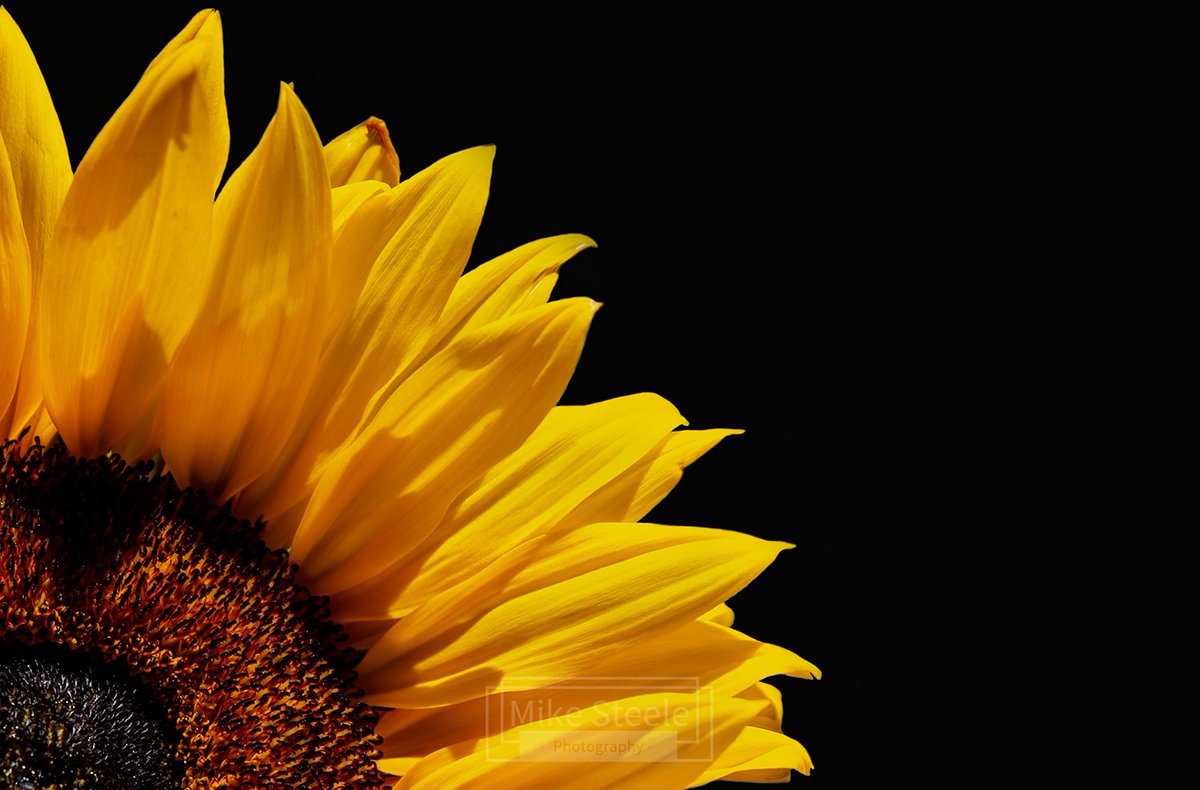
{"type": "Point", "coordinates": [721, 615]}
{"type": "Point", "coordinates": [699, 656]}
{"type": "Point", "coordinates": [206, 25]}
{"type": "Point", "coordinates": [771, 715]}
{"type": "Point", "coordinates": [235, 390]}
{"type": "Point", "coordinates": [646, 741]}
{"type": "Point", "coordinates": [586, 594]}
{"type": "Point", "coordinates": [576, 450]}
{"type": "Point", "coordinates": [518, 280]}
{"type": "Point", "coordinates": [417, 240]}
{"type": "Point", "coordinates": [717, 657]}
{"type": "Point", "coordinates": [364, 153]}
{"type": "Point", "coordinates": [397, 766]}
{"type": "Point", "coordinates": [16, 291]}
{"type": "Point", "coordinates": [758, 755]}
{"type": "Point", "coordinates": [515, 281]}
{"type": "Point", "coordinates": [464, 410]}
{"type": "Point", "coordinates": [126, 269]}
{"type": "Point", "coordinates": [41, 170]}
{"type": "Point", "coordinates": [644, 484]}
{"type": "Point", "coordinates": [761, 752]}
{"type": "Point", "coordinates": [346, 277]}
{"type": "Point", "coordinates": [348, 199]}
{"type": "Point", "coordinates": [414, 242]}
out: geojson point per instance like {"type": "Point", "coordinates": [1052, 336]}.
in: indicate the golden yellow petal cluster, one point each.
{"type": "Point", "coordinates": [302, 345]}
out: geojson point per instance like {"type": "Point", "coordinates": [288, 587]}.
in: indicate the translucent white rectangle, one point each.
{"type": "Point", "coordinates": [598, 746]}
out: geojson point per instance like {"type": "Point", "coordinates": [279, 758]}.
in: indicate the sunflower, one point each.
{"type": "Point", "coordinates": [287, 500]}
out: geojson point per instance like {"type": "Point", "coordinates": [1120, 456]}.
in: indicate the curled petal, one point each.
{"type": "Point", "coordinates": [364, 153]}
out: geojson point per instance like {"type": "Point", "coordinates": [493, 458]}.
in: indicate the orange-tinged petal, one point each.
{"type": "Point", "coordinates": [16, 291]}
{"type": "Point", "coordinates": [397, 766]}
{"type": "Point", "coordinates": [575, 450]}
{"type": "Point", "coordinates": [364, 153]}
{"type": "Point", "coordinates": [464, 410]}
{"type": "Point", "coordinates": [235, 391]}
{"type": "Point", "coordinates": [126, 269]}
{"type": "Point", "coordinates": [584, 595]}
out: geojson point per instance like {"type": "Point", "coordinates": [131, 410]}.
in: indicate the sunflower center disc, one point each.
{"type": "Point", "coordinates": [195, 659]}
{"type": "Point", "coordinates": [68, 720]}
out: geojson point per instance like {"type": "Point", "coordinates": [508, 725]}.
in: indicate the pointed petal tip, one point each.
{"type": "Point", "coordinates": [480, 155]}
{"type": "Point", "coordinates": [379, 131]}
{"type": "Point", "coordinates": [205, 25]}
{"type": "Point", "coordinates": [580, 308]}
{"type": "Point", "coordinates": [665, 404]}
{"type": "Point", "coordinates": [287, 96]}
{"type": "Point", "coordinates": [377, 127]}
{"type": "Point", "coordinates": [201, 38]}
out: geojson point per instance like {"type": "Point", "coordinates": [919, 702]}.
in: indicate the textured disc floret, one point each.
{"type": "Point", "coordinates": [70, 719]}
{"type": "Point", "coordinates": [119, 586]}
{"type": "Point", "coordinates": [369, 520]}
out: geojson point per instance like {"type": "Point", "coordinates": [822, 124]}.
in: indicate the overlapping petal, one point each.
{"type": "Point", "coordinates": [517, 280]}
{"type": "Point", "coordinates": [464, 410]}
{"type": "Point", "coordinates": [553, 610]}
{"type": "Point", "coordinates": [575, 451]}
{"type": "Point", "coordinates": [235, 392]}
{"type": "Point", "coordinates": [699, 655]}
{"type": "Point", "coordinates": [363, 153]}
{"type": "Point", "coordinates": [40, 172]}
{"type": "Point", "coordinates": [397, 257]}
{"type": "Point", "coordinates": [758, 755]}
{"type": "Point", "coordinates": [126, 269]}
{"type": "Point", "coordinates": [643, 485]}
{"type": "Point", "coordinates": [308, 350]}
{"type": "Point", "coordinates": [671, 752]}
{"type": "Point", "coordinates": [16, 290]}
{"type": "Point", "coordinates": [33, 138]}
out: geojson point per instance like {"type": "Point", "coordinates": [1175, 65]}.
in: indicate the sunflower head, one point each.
{"type": "Point", "coordinates": [287, 498]}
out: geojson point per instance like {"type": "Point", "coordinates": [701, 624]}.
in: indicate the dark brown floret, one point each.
{"type": "Point", "coordinates": [137, 579]}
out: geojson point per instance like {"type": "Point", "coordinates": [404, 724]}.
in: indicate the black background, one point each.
{"type": "Point", "coordinates": [937, 258]}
